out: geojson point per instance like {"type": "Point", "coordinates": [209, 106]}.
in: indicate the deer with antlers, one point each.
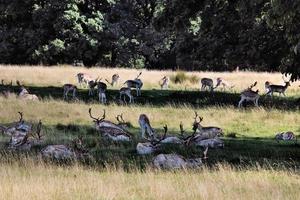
{"type": "Point", "coordinates": [175, 161]}
{"type": "Point", "coordinates": [249, 95]}
{"type": "Point", "coordinates": [277, 88]}
{"type": "Point", "coordinates": [109, 129]}
{"type": "Point", "coordinates": [164, 83]}
{"type": "Point", "coordinates": [69, 88]}
{"type": "Point", "coordinates": [126, 91]}
{"type": "Point", "coordinates": [66, 152]}
{"type": "Point", "coordinates": [152, 145]}
{"type": "Point", "coordinates": [136, 83]}
{"type": "Point", "coordinates": [114, 80]}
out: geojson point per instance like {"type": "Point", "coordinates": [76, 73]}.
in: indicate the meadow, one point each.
{"type": "Point", "coordinates": [252, 164]}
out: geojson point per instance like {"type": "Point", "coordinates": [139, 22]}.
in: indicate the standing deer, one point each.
{"type": "Point", "coordinates": [114, 80]}
{"type": "Point", "coordinates": [174, 161]}
{"type": "Point", "coordinates": [92, 84]}
{"type": "Point", "coordinates": [102, 87]}
{"type": "Point", "coordinates": [83, 78]}
{"type": "Point", "coordinates": [224, 84]}
{"type": "Point", "coordinates": [249, 95]}
{"type": "Point", "coordinates": [164, 83]}
{"type": "Point", "coordinates": [69, 88]}
{"type": "Point", "coordinates": [136, 83]}
{"type": "Point", "coordinates": [207, 83]}
{"type": "Point", "coordinates": [126, 91]}
{"type": "Point", "coordinates": [277, 88]}
{"type": "Point", "coordinates": [151, 146]}
{"type": "Point", "coordinates": [145, 126]}
{"type": "Point", "coordinates": [109, 129]}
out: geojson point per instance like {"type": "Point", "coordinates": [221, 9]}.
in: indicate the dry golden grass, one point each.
{"type": "Point", "coordinates": [41, 181]}
{"type": "Point", "coordinates": [253, 123]}
{"type": "Point", "coordinates": [57, 76]}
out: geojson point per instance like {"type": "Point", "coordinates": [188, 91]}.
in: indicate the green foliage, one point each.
{"type": "Point", "coordinates": [179, 78]}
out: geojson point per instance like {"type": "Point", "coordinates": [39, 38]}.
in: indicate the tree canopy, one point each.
{"type": "Point", "coordinates": [214, 35]}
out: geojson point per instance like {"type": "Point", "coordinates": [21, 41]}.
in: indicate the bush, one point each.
{"type": "Point", "coordinates": [194, 79]}
{"type": "Point", "coordinates": [179, 78]}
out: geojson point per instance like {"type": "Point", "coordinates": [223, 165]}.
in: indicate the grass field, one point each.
{"type": "Point", "coordinates": [251, 166]}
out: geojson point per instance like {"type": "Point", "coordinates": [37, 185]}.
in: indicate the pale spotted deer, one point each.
{"type": "Point", "coordinates": [164, 83]}
{"type": "Point", "coordinates": [25, 95]}
{"type": "Point", "coordinates": [175, 161]}
{"type": "Point", "coordinates": [136, 83]}
{"type": "Point", "coordinates": [110, 129]}
{"type": "Point", "coordinates": [126, 91]}
{"type": "Point", "coordinates": [277, 88]}
{"type": "Point", "coordinates": [114, 80]}
{"type": "Point", "coordinates": [224, 84]}
{"type": "Point", "coordinates": [146, 128]}
{"type": "Point", "coordinates": [249, 95]}
{"type": "Point", "coordinates": [83, 78]}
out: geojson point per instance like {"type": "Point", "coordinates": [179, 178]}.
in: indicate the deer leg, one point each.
{"type": "Point", "coordinates": [74, 93]}
{"type": "Point", "coordinates": [240, 102]}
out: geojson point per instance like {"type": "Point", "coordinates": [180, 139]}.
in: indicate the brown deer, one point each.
{"type": "Point", "coordinates": [126, 91]}
{"type": "Point", "coordinates": [69, 88]}
{"type": "Point", "coordinates": [277, 88]}
{"type": "Point", "coordinates": [136, 83]}
{"type": "Point", "coordinates": [249, 95]}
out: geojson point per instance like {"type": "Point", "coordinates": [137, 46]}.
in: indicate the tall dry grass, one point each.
{"type": "Point", "coordinates": [59, 75]}
{"type": "Point", "coordinates": [42, 181]}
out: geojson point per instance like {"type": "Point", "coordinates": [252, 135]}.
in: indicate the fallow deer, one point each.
{"type": "Point", "coordinates": [114, 80]}
{"type": "Point", "coordinates": [207, 83]}
{"type": "Point", "coordinates": [277, 88]}
{"type": "Point", "coordinates": [25, 95]}
{"type": "Point", "coordinates": [164, 83]}
{"type": "Point", "coordinates": [92, 84]}
{"type": "Point", "coordinates": [66, 152]}
{"type": "Point", "coordinates": [83, 78]}
{"type": "Point", "coordinates": [126, 91]}
{"type": "Point", "coordinates": [102, 87]}
{"type": "Point", "coordinates": [174, 161]}
{"type": "Point", "coordinates": [224, 84]}
{"type": "Point", "coordinates": [109, 129]}
{"type": "Point", "coordinates": [146, 128]}
{"type": "Point", "coordinates": [285, 136]}
{"type": "Point", "coordinates": [249, 95]}
{"type": "Point", "coordinates": [69, 88]}
{"type": "Point", "coordinates": [151, 146]}
{"type": "Point", "coordinates": [136, 83]}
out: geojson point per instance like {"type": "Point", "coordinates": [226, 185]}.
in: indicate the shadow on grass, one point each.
{"type": "Point", "coordinates": [239, 151]}
{"type": "Point", "coordinates": [170, 97]}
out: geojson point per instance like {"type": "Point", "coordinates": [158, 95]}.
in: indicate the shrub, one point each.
{"type": "Point", "coordinates": [194, 79]}
{"type": "Point", "coordinates": [179, 77]}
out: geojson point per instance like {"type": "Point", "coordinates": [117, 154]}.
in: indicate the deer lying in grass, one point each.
{"type": "Point", "coordinates": [114, 80]}
{"type": "Point", "coordinates": [136, 83]}
{"type": "Point", "coordinates": [126, 91]}
{"type": "Point", "coordinates": [249, 95]}
{"type": "Point", "coordinates": [285, 136]}
{"type": "Point", "coordinates": [21, 134]}
{"type": "Point", "coordinates": [83, 78]}
{"type": "Point", "coordinates": [151, 146]}
{"type": "Point", "coordinates": [277, 88]}
{"type": "Point", "coordinates": [164, 83]}
{"type": "Point", "coordinates": [66, 152]}
{"type": "Point", "coordinates": [69, 88]}
{"type": "Point", "coordinates": [174, 161]}
{"type": "Point", "coordinates": [25, 95]}
{"type": "Point", "coordinates": [111, 130]}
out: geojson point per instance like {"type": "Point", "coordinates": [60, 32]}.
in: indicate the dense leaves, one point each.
{"type": "Point", "coordinates": [193, 34]}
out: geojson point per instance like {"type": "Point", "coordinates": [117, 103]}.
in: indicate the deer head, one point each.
{"type": "Point", "coordinates": [97, 120]}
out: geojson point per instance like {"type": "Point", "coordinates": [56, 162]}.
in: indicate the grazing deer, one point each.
{"type": "Point", "coordinates": [25, 95]}
{"type": "Point", "coordinates": [145, 126]}
{"type": "Point", "coordinates": [109, 129]}
{"type": "Point", "coordinates": [69, 88]}
{"type": "Point", "coordinates": [102, 87]}
{"type": "Point", "coordinates": [114, 80]}
{"type": "Point", "coordinates": [249, 95]}
{"type": "Point", "coordinates": [285, 136]}
{"type": "Point", "coordinates": [136, 83]}
{"type": "Point", "coordinates": [224, 84]}
{"type": "Point", "coordinates": [126, 91]}
{"type": "Point", "coordinates": [66, 152]}
{"type": "Point", "coordinates": [174, 161]}
{"type": "Point", "coordinates": [151, 146]}
{"type": "Point", "coordinates": [207, 83]}
{"type": "Point", "coordinates": [277, 88]}
{"type": "Point", "coordinates": [84, 78]}
{"type": "Point", "coordinates": [205, 132]}
{"type": "Point", "coordinates": [92, 84]}
{"type": "Point", "coordinates": [164, 83]}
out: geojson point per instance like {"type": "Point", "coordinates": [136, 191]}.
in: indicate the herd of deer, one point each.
{"type": "Point", "coordinates": [85, 80]}
{"type": "Point", "coordinates": [24, 137]}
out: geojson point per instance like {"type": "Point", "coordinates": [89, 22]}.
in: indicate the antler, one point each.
{"type": "Point", "coordinates": [197, 116]}
{"type": "Point", "coordinates": [120, 118]}
{"type": "Point", "coordinates": [181, 128]}
{"type": "Point", "coordinates": [138, 75]}
{"type": "Point", "coordinates": [97, 119]}
{"type": "Point", "coordinates": [21, 116]}
{"type": "Point", "coordinates": [253, 85]}
{"type": "Point", "coordinates": [39, 129]}
{"type": "Point", "coordinates": [163, 137]}
{"type": "Point", "coordinates": [285, 79]}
